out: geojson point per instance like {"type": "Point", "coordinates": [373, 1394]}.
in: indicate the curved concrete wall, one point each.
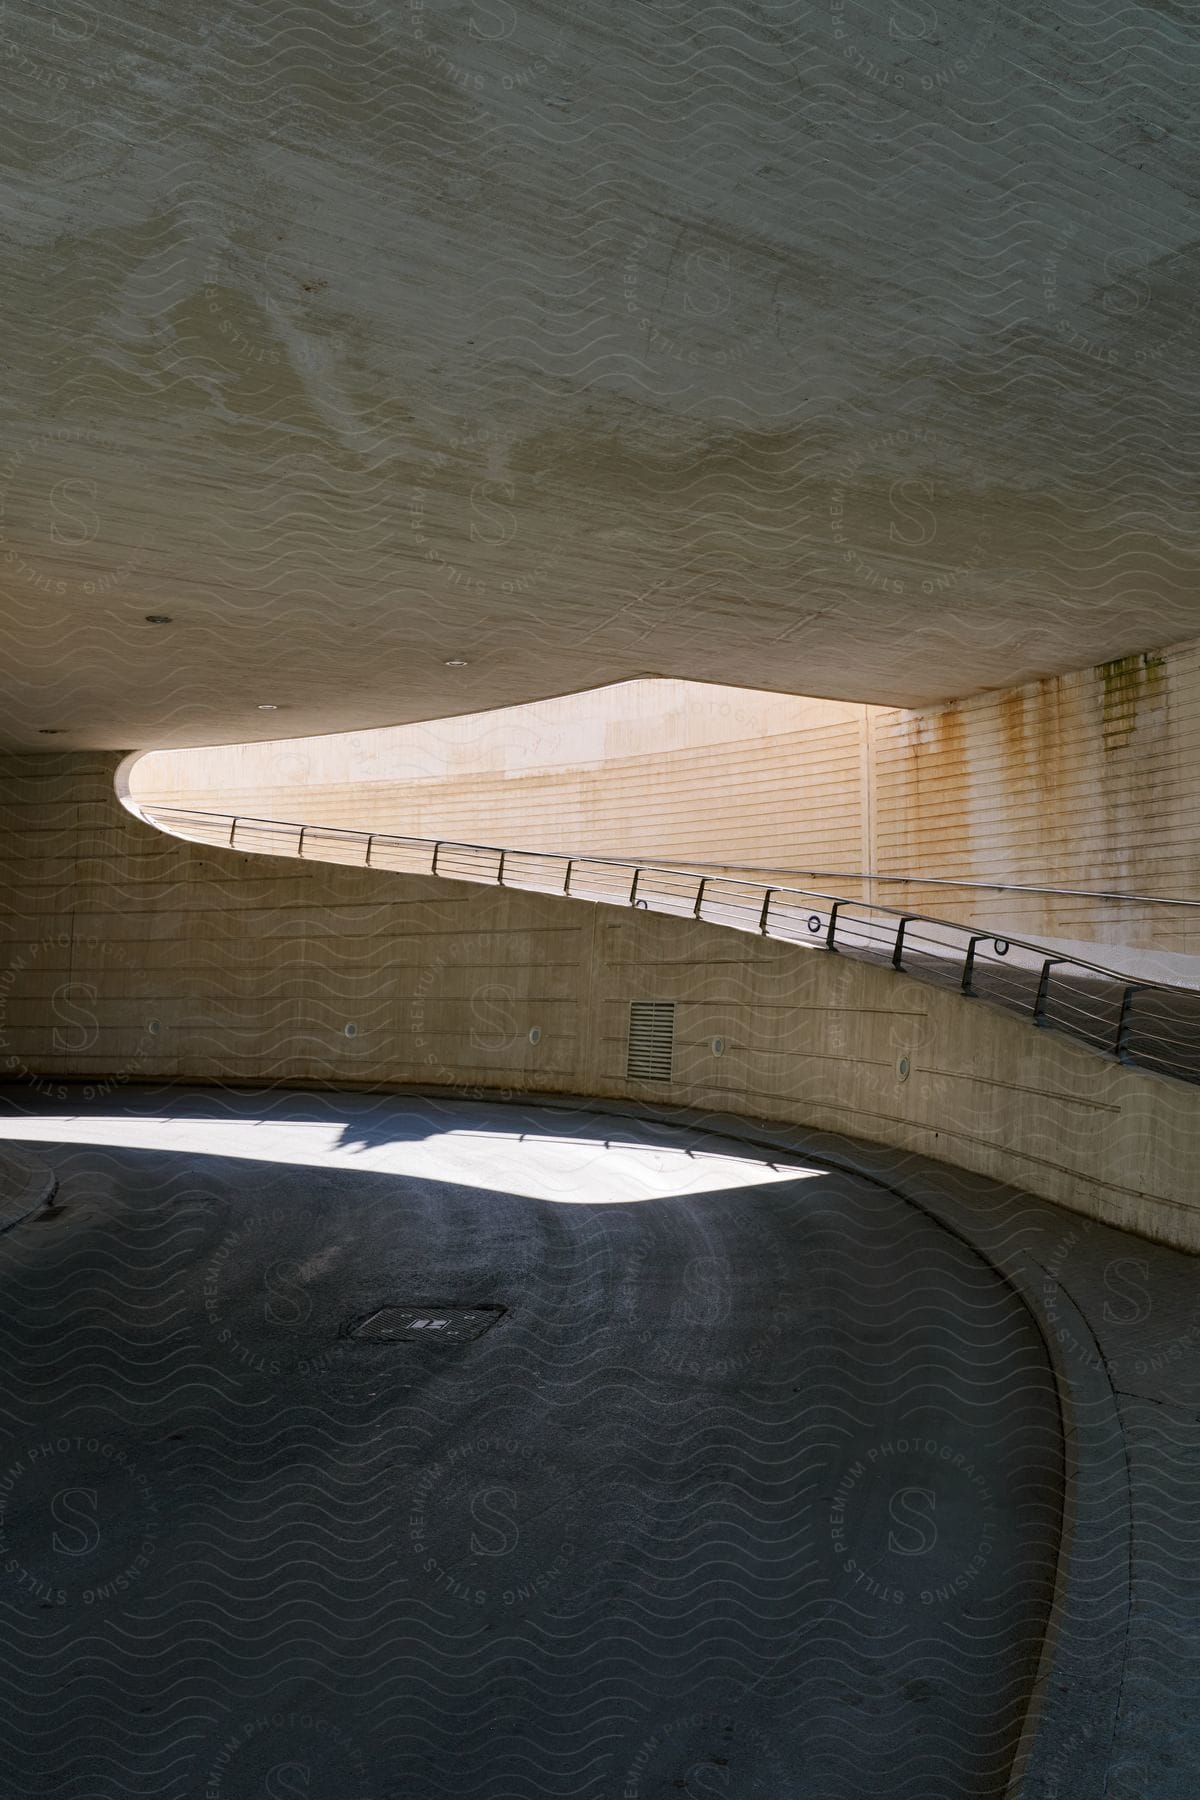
{"type": "Point", "coordinates": [129, 955]}
{"type": "Point", "coordinates": [660, 769]}
{"type": "Point", "coordinates": [1084, 780]}
{"type": "Point", "coordinates": [1088, 779]}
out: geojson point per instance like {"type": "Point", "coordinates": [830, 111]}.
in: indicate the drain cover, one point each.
{"type": "Point", "coordinates": [430, 1324]}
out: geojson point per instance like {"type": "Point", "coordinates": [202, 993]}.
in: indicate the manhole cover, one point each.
{"type": "Point", "coordinates": [444, 1324]}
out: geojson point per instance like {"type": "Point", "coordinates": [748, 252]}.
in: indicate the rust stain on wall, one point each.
{"type": "Point", "coordinates": [952, 739]}
{"type": "Point", "coordinates": [1010, 711]}
{"type": "Point", "coordinates": [1049, 731]}
{"type": "Point", "coordinates": [937, 778]}
{"type": "Point", "coordinates": [1121, 685]}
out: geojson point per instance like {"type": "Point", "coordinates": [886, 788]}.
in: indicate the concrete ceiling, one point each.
{"type": "Point", "coordinates": [811, 347]}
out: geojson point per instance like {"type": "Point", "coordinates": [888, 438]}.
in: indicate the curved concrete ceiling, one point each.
{"type": "Point", "coordinates": [414, 361]}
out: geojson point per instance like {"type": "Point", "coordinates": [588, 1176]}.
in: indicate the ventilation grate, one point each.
{"type": "Point", "coordinates": [651, 1040]}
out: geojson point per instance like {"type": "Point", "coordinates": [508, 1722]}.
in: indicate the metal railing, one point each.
{"type": "Point", "coordinates": [1151, 1024]}
{"type": "Point", "coordinates": [1110, 896]}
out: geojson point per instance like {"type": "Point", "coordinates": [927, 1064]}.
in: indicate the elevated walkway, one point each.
{"type": "Point", "coordinates": [1150, 1025]}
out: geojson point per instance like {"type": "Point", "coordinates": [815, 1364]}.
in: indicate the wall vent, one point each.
{"type": "Point", "coordinates": [651, 1040]}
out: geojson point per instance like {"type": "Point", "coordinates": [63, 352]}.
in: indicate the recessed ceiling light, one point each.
{"type": "Point", "coordinates": [158, 618]}
{"type": "Point", "coordinates": [456, 662]}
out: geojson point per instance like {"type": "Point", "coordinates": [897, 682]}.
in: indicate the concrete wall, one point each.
{"type": "Point", "coordinates": [671, 770]}
{"type": "Point", "coordinates": [130, 955]}
{"type": "Point", "coordinates": [1089, 780]}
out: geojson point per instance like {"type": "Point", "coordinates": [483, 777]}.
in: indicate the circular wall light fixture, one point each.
{"type": "Point", "coordinates": [350, 1030]}
{"type": "Point", "coordinates": [718, 1046]}
{"type": "Point", "coordinates": [457, 662]}
{"type": "Point", "coordinates": [154, 1027]}
{"type": "Point", "coordinates": [535, 1034]}
{"type": "Point", "coordinates": [267, 706]}
{"type": "Point", "coordinates": [903, 1069]}
{"type": "Point", "coordinates": [49, 730]}
{"type": "Point", "coordinates": [158, 618]}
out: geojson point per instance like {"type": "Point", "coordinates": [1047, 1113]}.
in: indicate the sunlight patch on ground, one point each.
{"type": "Point", "coordinates": [579, 1170]}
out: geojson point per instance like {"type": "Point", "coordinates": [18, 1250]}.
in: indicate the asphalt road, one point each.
{"type": "Point", "coordinates": [749, 1485]}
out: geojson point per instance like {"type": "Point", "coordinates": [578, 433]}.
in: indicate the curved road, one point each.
{"type": "Point", "coordinates": [749, 1485]}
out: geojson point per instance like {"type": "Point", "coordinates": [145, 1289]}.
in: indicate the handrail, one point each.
{"type": "Point", "coordinates": [437, 845]}
{"type": "Point", "coordinates": [1083, 1013]}
{"type": "Point", "coordinates": [991, 887]}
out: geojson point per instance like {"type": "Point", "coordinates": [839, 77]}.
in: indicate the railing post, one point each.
{"type": "Point", "coordinates": [1125, 1022]}
{"type": "Point", "coordinates": [765, 913]}
{"type": "Point", "coordinates": [567, 882]}
{"type": "Point", "coordinates": [833, 913]}
{"type": "Point", "coordinates": [1039, 1005]}
{"type": "Point", "coordinates": [969, 960]}
{"type": "Point", "coordinates": [370, 841]}
{"type": "Point", "coordinates": [300, 845]}
{"type": "Point", "coordinates": [898, 950]}
{"type": "Point", "coordinates": [232, 829]}
{"type": "Point", "coordinates": [436, 848]}
{"type": "Point", "coordinates": [500, 870]}
{"type": "Point", "coordinates": [699, 896]}
{"type": "Point", "coordinates": [633, 888]}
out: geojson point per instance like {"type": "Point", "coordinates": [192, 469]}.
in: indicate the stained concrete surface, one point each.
{"type": "Point", "coordinates": [838, 349]}
{"type": "Point", "coordinates": [756, 1488]}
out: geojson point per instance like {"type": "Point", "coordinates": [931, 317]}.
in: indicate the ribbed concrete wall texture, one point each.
{"type": "Point", "coordinates": [1084, 780]}
{"type": "Point", "coordinates": [664, 769]}
{"type": "Point", "coordinates": [131, 955]}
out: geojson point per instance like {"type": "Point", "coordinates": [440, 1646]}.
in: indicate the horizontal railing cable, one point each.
{"type": "Point", "coordinates": [1150, 1024]}
{"type": "Point", "coordinates": [1110, 896]}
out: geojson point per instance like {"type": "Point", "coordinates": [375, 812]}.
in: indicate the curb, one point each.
{"type": "Point", "coordinates": [25, 1186]}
